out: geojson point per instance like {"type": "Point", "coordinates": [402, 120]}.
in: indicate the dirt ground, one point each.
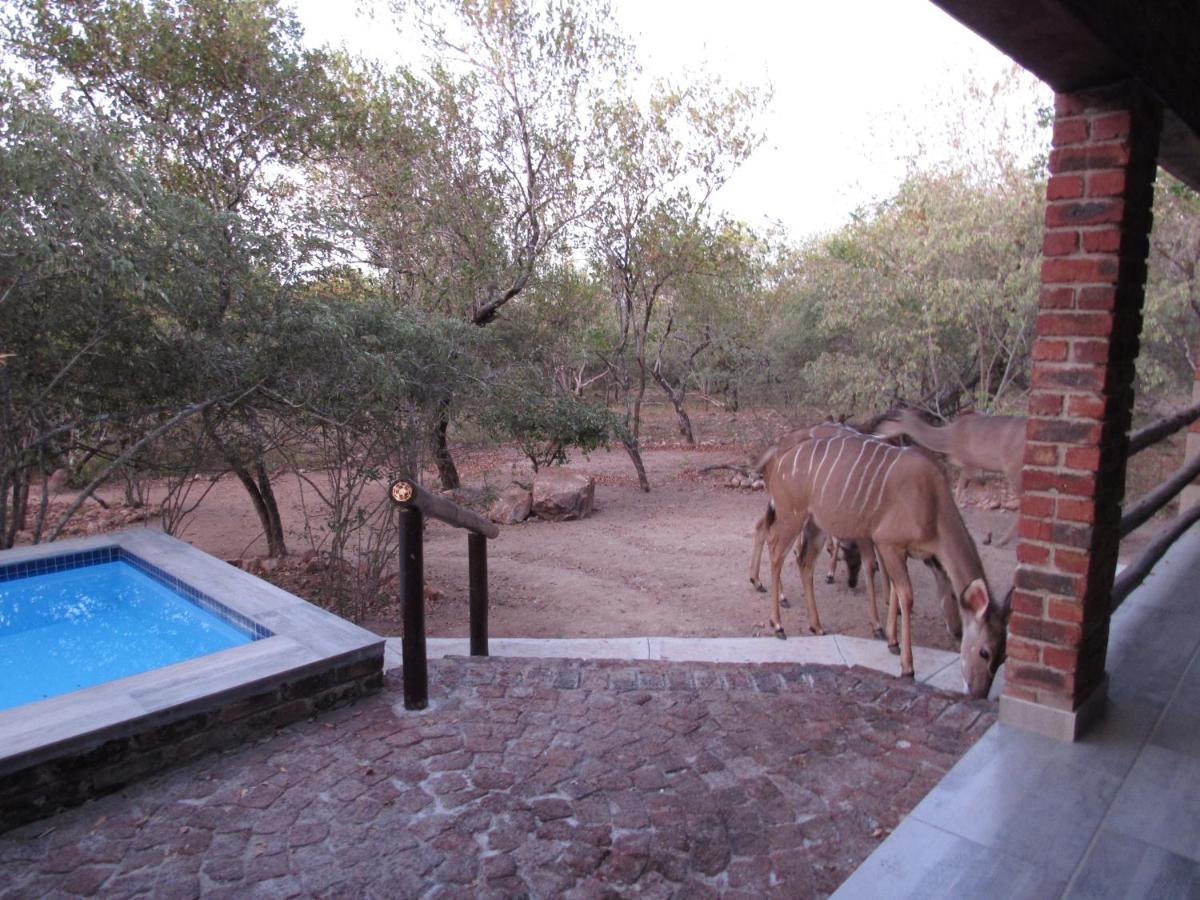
{"type": "Point", "coordinates": [673, 562]}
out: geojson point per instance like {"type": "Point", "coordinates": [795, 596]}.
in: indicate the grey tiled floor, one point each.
{"type": "Point", "coordinates": [1114, 815]}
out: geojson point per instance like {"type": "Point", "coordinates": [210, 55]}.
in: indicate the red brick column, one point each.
{"type": "Point", "coordinates": [1098, 214]}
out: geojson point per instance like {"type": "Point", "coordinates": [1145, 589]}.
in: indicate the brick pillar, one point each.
{"type": "Point", "coordinates": [1098, 212]}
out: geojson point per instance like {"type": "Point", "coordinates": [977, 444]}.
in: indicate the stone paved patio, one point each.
{"type": "Point", "coordinates": [530, 777]}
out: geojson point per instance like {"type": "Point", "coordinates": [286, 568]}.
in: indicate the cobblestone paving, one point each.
{"type": "Point", "coordinates": [540, 778]}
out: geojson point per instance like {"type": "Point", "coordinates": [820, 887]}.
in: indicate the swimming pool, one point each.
{"type": "Point", "coordinates": [297, 660]}
{"type": "Point", "coordinates": [99, 618]}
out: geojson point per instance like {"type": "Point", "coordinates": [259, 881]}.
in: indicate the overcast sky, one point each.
{"type": "Point", "coordinates": [854, 81]}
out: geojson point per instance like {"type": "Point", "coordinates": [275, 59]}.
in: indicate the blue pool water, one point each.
{"type": "Point", "coordinates": [67, 630]}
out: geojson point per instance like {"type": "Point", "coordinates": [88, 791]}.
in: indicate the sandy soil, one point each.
{"type": "Point", "coordinates": [673, 562]}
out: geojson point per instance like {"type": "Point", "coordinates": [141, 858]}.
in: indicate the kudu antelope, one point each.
{"type": "Point", "coordinates": [860, 488]}
{"type": "Point", "coordinates": [972, 441]}
{"type": "Point", "coordinates": [857, 553]}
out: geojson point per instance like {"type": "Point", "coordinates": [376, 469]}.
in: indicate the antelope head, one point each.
{"type": "Point", "coordinates": [985, 629]}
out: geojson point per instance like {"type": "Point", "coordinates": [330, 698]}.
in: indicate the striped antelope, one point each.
{"type": "Point", "coordinates": [858, 552]}
{"type": "Point", "coordinates": [858, 487]}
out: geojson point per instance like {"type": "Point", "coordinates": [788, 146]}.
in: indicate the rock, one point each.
{"type": "Point", "coordinates": [560, 493]}
{"type": "Point", "coordinates": [269, 564]}
{"type": "Point", "coordinates": [236, 563]}
{"type": "Point", "coordinates": [512, 506]}
{"type": "Point", "coordinates": [759, 485]}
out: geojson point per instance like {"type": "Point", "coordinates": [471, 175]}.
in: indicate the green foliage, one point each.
{"type": "Point", "coordinates": [544, 420]}
{"type": "Point", "coordinates": [216, 90]}
{"type": "Point", "coordinates": [1171, 324]}
{"type": "Point", "coordinates": [929, 300]}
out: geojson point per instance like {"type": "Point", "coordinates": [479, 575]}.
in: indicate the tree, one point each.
{"type": "Point", "coordinates": [705, 332]}
{"type": "Point", "coordinates": [1171, 333]}
{"type": "Point", "coordinates": [97, 292]}
{"type": "Point", "coordinates": [929, 299]}
{"type": "Point", "coordinates": [666, 158]}
{"type": "Point", "coordinates": [223, 101]}
{"type": "Point", "coordinates": [471, 176]}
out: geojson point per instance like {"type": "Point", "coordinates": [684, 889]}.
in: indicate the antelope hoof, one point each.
{"type": "Point", "coordinates": [829, 579]}
{"type": "Point", "coordinates": [783, 601]}
{"type": "Point", "coordinates": [779, 633]}
{"type": "Point", "coordinates": [879, 634]}
{"type": "Point", "coordinates": [987, 540]}
{"type": "Point", "coordinates": [894, 649]}
{"type": "Point", "coordinates": [758, 587]}
{"type": "Point", "coordinates": [910, 676]}
{"type": "Point", "coordinates": [816, 630]}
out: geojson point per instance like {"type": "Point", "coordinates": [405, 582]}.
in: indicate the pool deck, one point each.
{"type": "Point", "coordinates": [305, 644]}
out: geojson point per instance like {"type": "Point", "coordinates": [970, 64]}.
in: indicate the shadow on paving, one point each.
{"type": "Point", "coordinates": [530, 777]}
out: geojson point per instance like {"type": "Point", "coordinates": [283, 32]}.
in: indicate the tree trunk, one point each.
{"type": "Point", "coordinates": [636, 417]}
{"type": "Point", "coordinates": [21, 502]}
{"type": "Point", "coordinates": [447, 472]}
{"type": "Point", "coordinates": [635, 453]}
{"type": "Point", "coordinates": [677, 398]}
{"type": "Point", "coordinates": [273, 522]}
{"type": "Point", "coordinates": [261, 493]}
{"type": "Point", "coordinates": [264, 506]}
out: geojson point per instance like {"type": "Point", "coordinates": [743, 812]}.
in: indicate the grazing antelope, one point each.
{"type": "Point", "coordinates": [788, 441]}
{"type": "Point", "coordinates": [972, 441]}
{"type": "Point", "coordinates": [858, 487]}
{"type": "Point", "coordinates": [855, 552]}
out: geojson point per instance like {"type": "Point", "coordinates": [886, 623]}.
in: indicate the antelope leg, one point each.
{"type": "Point", "coordinates": [760, 536]}
{"type": "Point", "coordinates": [1014, 485]}
{"type": "Point", "coordinates": [893, 609]}
{"type": "Point", "coordinates": [778, 551]}
{"type": "Point", "coordinates": [831, 548]}
{"type": "Point", "coordinates": [895, 564]}
{"type": "Point", "coordinates": [810, 549]}
{"type": "Point", "coordinates": [868, 557]}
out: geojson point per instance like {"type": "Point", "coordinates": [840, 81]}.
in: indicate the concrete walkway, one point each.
{"type": "Point", "coordinates": [1116, 814]}
{"type": "Point", "coordinates": [937, 668]}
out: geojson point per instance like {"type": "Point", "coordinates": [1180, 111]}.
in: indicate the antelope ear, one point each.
{"type": "Point", "coordinates": [975, 598]}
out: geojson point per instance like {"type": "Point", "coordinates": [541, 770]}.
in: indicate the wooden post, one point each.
{"type": "Point", "coordinates": [477, 560]}
{"type": "Point", "coordinates": [412, 598]}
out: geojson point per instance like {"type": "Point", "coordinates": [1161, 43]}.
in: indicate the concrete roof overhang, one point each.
{"type": "Point", "coordinates": [1074, 45]}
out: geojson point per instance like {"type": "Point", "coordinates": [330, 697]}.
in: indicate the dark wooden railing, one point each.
{"type": "Point", "coordinates": [1144, 509]}
{"type": "Point", "coordinates": [414, 504]}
